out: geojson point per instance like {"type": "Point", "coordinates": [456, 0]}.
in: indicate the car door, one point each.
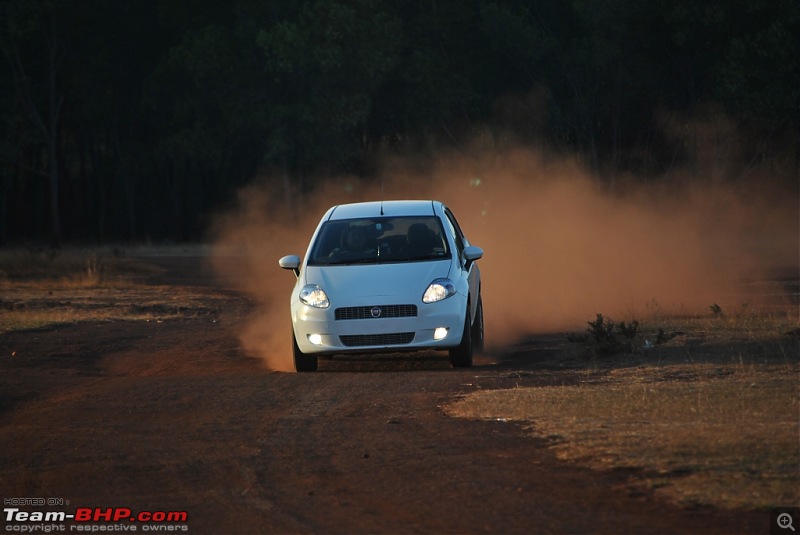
{"type": "Point", "coordinates": [470, 268]}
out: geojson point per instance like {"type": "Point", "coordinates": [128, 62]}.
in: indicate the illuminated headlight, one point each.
{"type": "Point", "coordinates": [438, 290]}
{"type": "Point", "coordinates": [440, 333]}
{"type": "Point", "coordinates": [314, 296]}
{"type": "Point", "coordinates": [315, 339]}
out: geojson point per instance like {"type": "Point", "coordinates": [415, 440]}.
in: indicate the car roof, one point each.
{"type": "Point", "coordinates": [386, 208]}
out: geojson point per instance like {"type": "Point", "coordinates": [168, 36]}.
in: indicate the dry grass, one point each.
{"type": "Point", "coordinates": [70, 267]}
{"type": "Point", "coordinates": [45, 288]}
{"type": "Point", "coordinates": [43, 305]}
{"type": "Point", "coordinates": [710, 417]}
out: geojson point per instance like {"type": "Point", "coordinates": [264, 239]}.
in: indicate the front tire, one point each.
{"type": "Point", "coordinates": [477, 328]}
{"type": "Point", "coordinates": [303, 362]}
{"type": "Point", "coordinates": [461, 355]}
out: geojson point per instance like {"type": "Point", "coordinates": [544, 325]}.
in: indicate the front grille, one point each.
{"type": "Point", "coordinates": [368, 312]}
{"type": "Point", "coordinates": [389, 339]}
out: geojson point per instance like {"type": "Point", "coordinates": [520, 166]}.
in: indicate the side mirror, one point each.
{"type": "Point", "coordinates": [292, 262]}
{"type": "Point", "coordinates": [472, 253]}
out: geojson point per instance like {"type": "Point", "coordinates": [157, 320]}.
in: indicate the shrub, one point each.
{"type": "Point", "coordinates": [611, 338]}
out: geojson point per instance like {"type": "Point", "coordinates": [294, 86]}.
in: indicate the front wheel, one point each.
{"type": "Point", "coordinates": [303, 362]}
{"type": "Point", "coordinates": [477, 328]}
{"type": "Point", "coordinates": [461, 355]}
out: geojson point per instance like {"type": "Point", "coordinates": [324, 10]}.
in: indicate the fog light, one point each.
{"type": "Point", "coordinates": [315, 339]}
{"type": "Point", "coordinates": [440, 333]}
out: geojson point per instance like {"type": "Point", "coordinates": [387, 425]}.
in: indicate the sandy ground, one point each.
{"type": "Point", "coordinates": [173, 416]}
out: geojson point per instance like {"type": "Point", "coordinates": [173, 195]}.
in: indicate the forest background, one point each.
{"type": "Point", "coordinates": [139, 120]}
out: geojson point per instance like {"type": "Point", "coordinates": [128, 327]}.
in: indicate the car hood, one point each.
{"type": "Point", "coordinates": [349, 285]}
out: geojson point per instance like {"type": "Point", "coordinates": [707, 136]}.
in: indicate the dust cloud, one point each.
{"type": "Point", "coordinates": [269, 222]}
{"type": "Point", "coordinates": [560, 245]}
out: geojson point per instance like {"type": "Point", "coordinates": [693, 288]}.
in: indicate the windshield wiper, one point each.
{"type": "Point", "coordinates": [368, 260]}
{"type": "Point", "coordinates": [425, 257]}
{"type": "Point", "coordinates": [350, 261]}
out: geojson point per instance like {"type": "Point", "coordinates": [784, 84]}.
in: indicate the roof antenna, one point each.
{"type": "Point", "coordinates": [381, 197]}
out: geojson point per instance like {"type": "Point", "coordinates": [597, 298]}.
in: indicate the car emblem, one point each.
{"type": "Point", "coordinates": [375, 312]}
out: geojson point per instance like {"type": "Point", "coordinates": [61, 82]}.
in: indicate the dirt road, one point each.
{"type": "Point", "coordinates": [172, 416]}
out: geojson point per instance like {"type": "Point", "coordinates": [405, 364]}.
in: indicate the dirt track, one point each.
{"type": "Point", "coordinates": [173, 416]}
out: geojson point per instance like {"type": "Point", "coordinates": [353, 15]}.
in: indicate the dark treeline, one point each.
{"type": "Point", "coordinates": [132, 120]}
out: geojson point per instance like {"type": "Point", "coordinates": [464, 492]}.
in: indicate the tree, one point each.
{"type": "Point", "coordinates": [758, 75]}
{"type": "Point", "coordinates": [33, 41]}
{"type": "Point", "coordinates": [325, 65]}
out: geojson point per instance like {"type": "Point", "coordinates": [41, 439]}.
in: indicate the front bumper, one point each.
{"type": "Point", "coordinates": [379, 334]}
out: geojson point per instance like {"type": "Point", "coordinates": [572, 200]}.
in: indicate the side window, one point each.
{"type": "Point", "coordinates": [456, 230]}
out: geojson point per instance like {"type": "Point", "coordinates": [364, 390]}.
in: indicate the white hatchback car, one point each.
{"type": "Point", "coordinates": [386, 277]}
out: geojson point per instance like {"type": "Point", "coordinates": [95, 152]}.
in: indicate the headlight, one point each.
{"type": "Point", "coordinates": [314, 296]}
{"type": "Point", "coordinates": [438, 290]}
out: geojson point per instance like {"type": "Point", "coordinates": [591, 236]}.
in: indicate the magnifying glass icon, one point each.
{"type": "Point", "coordinates": [785, 521]}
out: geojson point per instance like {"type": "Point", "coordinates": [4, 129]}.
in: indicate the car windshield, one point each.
{"type": "Point", "coordinates": [379, 240]}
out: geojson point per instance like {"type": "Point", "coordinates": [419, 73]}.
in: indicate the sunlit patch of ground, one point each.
{"type": "Point", "coordinates": [44, 288]}
{"type": "Point", "coordinates": [711, 416]}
